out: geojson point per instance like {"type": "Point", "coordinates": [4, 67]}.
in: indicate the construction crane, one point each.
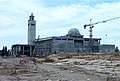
{"type": "Point", "coordinates": [91, 25]}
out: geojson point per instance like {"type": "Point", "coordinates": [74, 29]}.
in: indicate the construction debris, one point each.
{"type": "Point", "coordinates": [62, 67]}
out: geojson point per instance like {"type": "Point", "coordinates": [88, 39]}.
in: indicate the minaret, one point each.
{"type": "Point", "coordinates": [31, 29]}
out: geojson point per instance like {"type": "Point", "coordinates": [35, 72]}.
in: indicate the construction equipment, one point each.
{"type": "Point", "coordinates": [91, 25]}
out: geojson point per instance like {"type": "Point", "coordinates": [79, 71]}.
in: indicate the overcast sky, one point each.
{"type": "Point", "coordinates": [56, 17]}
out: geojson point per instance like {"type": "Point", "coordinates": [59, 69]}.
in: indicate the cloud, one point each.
{"type": "Point", "coordinates": [5, 21]}
{"type": "Point", "coordinates": [57, 18]}
{"type": "Point", "coordinates": [11, 32]}
{"type": "Point", "coordinates": [64, 12]}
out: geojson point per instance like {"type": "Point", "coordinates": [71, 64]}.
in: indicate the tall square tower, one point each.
{"type": "Point", "coordinates": [31, 29]}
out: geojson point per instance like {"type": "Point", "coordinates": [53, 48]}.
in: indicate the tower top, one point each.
{"type": "Point", "coordinates": [31, 14]}
{"type": "Point", "coordinates": [31, 17]}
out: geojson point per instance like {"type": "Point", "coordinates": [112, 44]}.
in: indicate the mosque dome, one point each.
{"type": "Point", "coordinates": [74, 32]}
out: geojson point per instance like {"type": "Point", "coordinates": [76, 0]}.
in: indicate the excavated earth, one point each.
{"type": "Point", "coordinates": [62, 67]}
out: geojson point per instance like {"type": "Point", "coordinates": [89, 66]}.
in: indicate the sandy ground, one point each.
{"type": "Point", "coordinates": [59, 68]}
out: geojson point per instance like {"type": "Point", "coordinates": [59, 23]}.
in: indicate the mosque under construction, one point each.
{"type": "Point", "coordinates": [73, 41]}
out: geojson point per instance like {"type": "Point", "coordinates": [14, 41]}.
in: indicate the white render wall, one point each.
{"type": "Point", "coordinates": [31, 32]}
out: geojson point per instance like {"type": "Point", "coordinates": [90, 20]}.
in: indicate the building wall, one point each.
{"type": "Point", "coordinates": [95, 45]}
{"type": "Point", "coordinates": [63, 44]}
{"type": "Point", "coordinates": [22, 50]}
{"type": "Point", "coordinates": [67, 45]}
{"type": "Point", "coordinates": [107, 48]}
{"type": "Point", "coordinates": [56, 46]}
{"type": "Point", "coordinates": [43, 47]}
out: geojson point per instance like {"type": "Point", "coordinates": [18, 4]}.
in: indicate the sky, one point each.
{"type": "Point", "coordinates": [57, 17]}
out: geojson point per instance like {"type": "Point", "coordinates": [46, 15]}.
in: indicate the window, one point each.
{"type": "Point", "coordinates": [32, 24]}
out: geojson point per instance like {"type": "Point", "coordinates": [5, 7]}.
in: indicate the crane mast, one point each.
{"type": "Point", "coordinates": [91, 25]}
{"type": "Point", "coordinates": [91, 29]}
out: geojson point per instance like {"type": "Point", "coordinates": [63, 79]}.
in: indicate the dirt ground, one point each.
{"type": "Point", "coordinates": [62, 67]}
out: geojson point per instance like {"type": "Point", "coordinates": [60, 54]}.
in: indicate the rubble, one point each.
{"type": "Point", "coordinates": [62, 67]}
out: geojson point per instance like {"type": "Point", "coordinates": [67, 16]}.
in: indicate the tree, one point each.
{"type": "Point", "coordinates": [116, 49]}
{"type": "Point", "coordinates": [4, 51]}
